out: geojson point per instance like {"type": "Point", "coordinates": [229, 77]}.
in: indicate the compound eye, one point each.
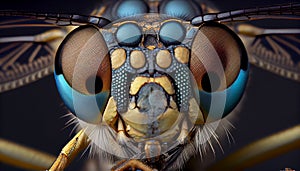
{"type": "Point", "coordinates": [219, 65]}
{"type": "Point", "coordinates": [185, 10]}
{"type": "Point", "coordinates": [128, 8]}
{"type": "Point", "coordinates": [83, 73]}
{"type": "Point", "coordinates": [171, 33]}
{"type": "Point", "coordinates": [85, 62]}
{"type": "Point", "coordinates": [216, 56]}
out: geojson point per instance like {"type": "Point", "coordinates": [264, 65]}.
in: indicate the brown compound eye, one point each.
{"type": "Point", "coordinates": [84, 61]}
{"type": "Point", "coordinates": [216, 57]}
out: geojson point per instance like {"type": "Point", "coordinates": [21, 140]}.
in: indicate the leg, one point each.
{"type": "Point", "coordinates": [24, 157]}
{"type": "Point", "coordinates": [78, 143]}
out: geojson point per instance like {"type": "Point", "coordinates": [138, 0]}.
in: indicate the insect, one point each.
{"type": "Point", "coordinates": [152, 81]}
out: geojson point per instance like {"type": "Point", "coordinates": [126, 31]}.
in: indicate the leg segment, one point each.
{"type": "Point", "coordinates": [24, 157]}
{"type": "Point", "coordinates": [73, 147]}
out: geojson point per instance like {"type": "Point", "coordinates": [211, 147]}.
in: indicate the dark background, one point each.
{"type": "Point", "coordinates": [32, 115]}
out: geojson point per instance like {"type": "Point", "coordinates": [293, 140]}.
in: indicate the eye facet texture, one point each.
{"type": "Point", "coordinates": [128, 8]}
{"type": "Point", "coordinates": [83, 73]}
{"type": "Point", "coordinates": [185, 10]}
{"type": "Point", "coordinates": [219, 64]}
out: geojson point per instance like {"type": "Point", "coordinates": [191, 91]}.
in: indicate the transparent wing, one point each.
{"type": "Point", "coordinates": [28, 42]}
{"type": "Point", "coordinates": [275, 50]}
{"type": "Point", "coordinates": [289, 11]}
{"type": "Point", "coordinates": [27, 49]}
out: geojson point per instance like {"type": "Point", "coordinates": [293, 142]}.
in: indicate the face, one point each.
{"type": "Point", "coordinates": [153, 77]}
{"type": "Point", "coordinates": [156, 84]}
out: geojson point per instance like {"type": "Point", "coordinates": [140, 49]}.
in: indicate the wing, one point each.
{"type": "Point", "coordinates": [28, 42]}
{"type": "Point", "coordinates": [27, 49]}
{"type": "Point", "coordinates": [286, 11]}
{"type": "Point", "coordinates": [275, 50]}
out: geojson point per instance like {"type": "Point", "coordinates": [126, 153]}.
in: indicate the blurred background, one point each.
{"type": "Point", "coordinates": [32, 115]}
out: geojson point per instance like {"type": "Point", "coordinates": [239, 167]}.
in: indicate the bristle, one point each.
{"type": "Point", "coordinates": [72, 121]}
{"type": "Point", "coordinates": [105, 142]}
{"type": "Point", "coordinates": [66, 115]}
{"type": "Point", "coordinates": [228, 133]}
{"type": "Point", "coordinates": [105, 138]}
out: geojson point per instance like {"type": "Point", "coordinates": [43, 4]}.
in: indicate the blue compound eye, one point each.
{"type": "Point", "coordinates": [185, 10]}
{"type": "Point", "coordinates": [219, 65]}
{"type": "Point", "coordinates": [130, 8]}
{"type": "Point", "coordinates": [171, 33]}
{"type": "Point", "coordinates": [83, 73]}
{"type": "Point", "coordinates": [129, 34]}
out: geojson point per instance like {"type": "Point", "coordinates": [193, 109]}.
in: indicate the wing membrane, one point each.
{"type": "Point", "coordinates": [26, 50]}
{"type": "Point", "coordinates": [38, 37]}
{"type": "Point", "coordinates": [276, 50]}
{"type": "Point", "coordinates": [278, 53]}
{"type": "Point", "coordinates": [286, 11]}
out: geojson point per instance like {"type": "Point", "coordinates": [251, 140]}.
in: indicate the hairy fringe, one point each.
{"type": "Point", "coordinates": [208, 136]}
{"type": "Point", "coordinates": [105, 146]}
